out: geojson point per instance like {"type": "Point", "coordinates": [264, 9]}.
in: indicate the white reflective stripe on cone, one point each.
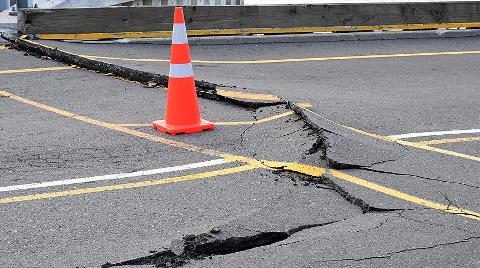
{"type": "Point", "coordinates": [181, 70]}
{"type": "Point", "coordinates": [179, 34]}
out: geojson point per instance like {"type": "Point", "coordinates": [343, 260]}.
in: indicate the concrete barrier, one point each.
{"type": "Point", "coordinates": [137, 22]}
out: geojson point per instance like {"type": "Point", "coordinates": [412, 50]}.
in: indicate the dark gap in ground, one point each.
{"type": "Point", "coordinates": [195, 247]}
{"type": "Point", "coordinates": [326, 183]}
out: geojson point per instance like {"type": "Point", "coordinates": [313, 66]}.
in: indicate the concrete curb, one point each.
{"type": "Point", "coordinates": [298, 38]}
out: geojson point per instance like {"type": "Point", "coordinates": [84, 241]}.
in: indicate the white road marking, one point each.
{"type": "Point", "coordinates": [435, 133]}
{"type": "Point", "coordinates": [112, 176]}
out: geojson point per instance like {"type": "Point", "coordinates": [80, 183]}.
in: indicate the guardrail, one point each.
{"type": "Point", "coordinates": [137, 22]}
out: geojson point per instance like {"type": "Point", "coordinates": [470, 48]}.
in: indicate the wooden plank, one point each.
{"type": "Point", "coordinates": [221, 17]}
{"type": "Point", "coordinates": [136, 19]}
{"type": "Point", "coordinates": [367, 14]}
{"type": "Point", "coordinates": [158, 19]}
{"type": "Point", "coordinates": [110, 20]}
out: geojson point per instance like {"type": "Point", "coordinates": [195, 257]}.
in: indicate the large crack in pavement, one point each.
{"type": "Point", "coordinates": [194, 247]}
{"type": "Point", "coordinates": [333, 144]}
{"type": "Point", "coordinates": [343, 149]}
{"type": "Point", "coordinates": [341, 152]}
{"type": "Point", "coordinates": [217, 242]}
{"type": "Point", "coordinates": [326, 183]}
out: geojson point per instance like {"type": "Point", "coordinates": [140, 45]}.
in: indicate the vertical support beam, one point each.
{"type": "Point", "coordinates": [21, 21]}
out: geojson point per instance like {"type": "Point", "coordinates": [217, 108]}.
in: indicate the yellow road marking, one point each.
{"type": "Point", "coordinates": [410, 198]}
{"type": "Point", "coordinates": [3, 47]}
{"type": "Point", "coordinates": [250, 164]}
{"type": "Point", "coordinates": [318, 171]}
{"type": "Point", "coordinates": [246, 95]}
{"type": "Point", "coordinates": [444, 141]}
{"type": "Point", "coordinates": [263, 120]}
{"type": "Point", "coordinates": [124, 186]}
{"type": "Point", "coordinates": [135, 125]}
{"type": "Point", "coordinates": [403, 142]}
{"type": "Point", "coordinates": [125, 59]}
{"type": "Point", "coordinates": [46, 69]}
{"type": "Point", "coordinates": [125, 130]}
{"type": "Point", "coordinates": [337, 58]}
{"type": "Point", "coordinates": [417, 145]}
{"type": "Point", "coordinates": [235, 123]}
{"type": "Point", "coordinates": [209, 32]}
{"type": "Point", "coordinates": [297, 167]}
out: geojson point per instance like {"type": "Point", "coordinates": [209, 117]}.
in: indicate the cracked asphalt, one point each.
{"type": "Point", "coordinates": [322, 187]}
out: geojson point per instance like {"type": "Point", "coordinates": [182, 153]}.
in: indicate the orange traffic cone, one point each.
{"type": "Point", "coordinates": [183, 112]}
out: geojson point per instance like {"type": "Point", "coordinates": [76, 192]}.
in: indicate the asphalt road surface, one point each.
{"type": "Point", "coordinates": [383, 170]}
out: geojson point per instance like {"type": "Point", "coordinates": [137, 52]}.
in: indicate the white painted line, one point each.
{"type": "Point", "coordinates": [435, 133]}
{"type": "Point", "coordinates": [112, 176]}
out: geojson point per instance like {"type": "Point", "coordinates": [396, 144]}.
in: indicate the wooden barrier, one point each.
{"type": "Point", "coordinates": [117, 22]}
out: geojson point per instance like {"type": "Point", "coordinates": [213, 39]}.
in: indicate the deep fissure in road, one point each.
{"type": "Point", "coordinates": [194, 247]}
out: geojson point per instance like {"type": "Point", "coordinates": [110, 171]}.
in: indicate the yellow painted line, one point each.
{"type": "Point", "coordinates": [3, 47]}
{"type": "Point", "coordinates": [236, 123]}
{"type": "Point", "coordinates": [94, 57]}
{"type": "Point", "coordinates": [263, 120]}
{"type": "Point", "coordinates": [445, 141]}
{"type": "Point", "coordinates": [210, 32]}
{"type": "Point", "coordinates": [125, 186]}
{"type": "Point", "coordinates": [268, 61]}
{"type": "Point", "coordinates": [247, 95]}
{"type": "Point", "coordinates": [410, 198]}
{"type": "Point", "coordinates": [417, 145]}
{"type": "Point", "coordinates": [297, 167]}
{"type": "Point", "coordinates": [33, 70]}
{"type": "Point", "coordinates": [233, 123]}
{"type": "Point", "coordinates": [135, 125]}
{"type": "Point", "coordinates": [318, 172]}
{"type": "Point", "coordinates": [250, 164]}
{"type": "Point", "coordinates": [404, 142]}
{"type": "Point", "coordinates": [121, 129]}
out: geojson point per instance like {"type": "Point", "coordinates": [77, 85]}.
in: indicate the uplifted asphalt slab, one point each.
{"type": "Point", "coordinates": [388, 96]}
